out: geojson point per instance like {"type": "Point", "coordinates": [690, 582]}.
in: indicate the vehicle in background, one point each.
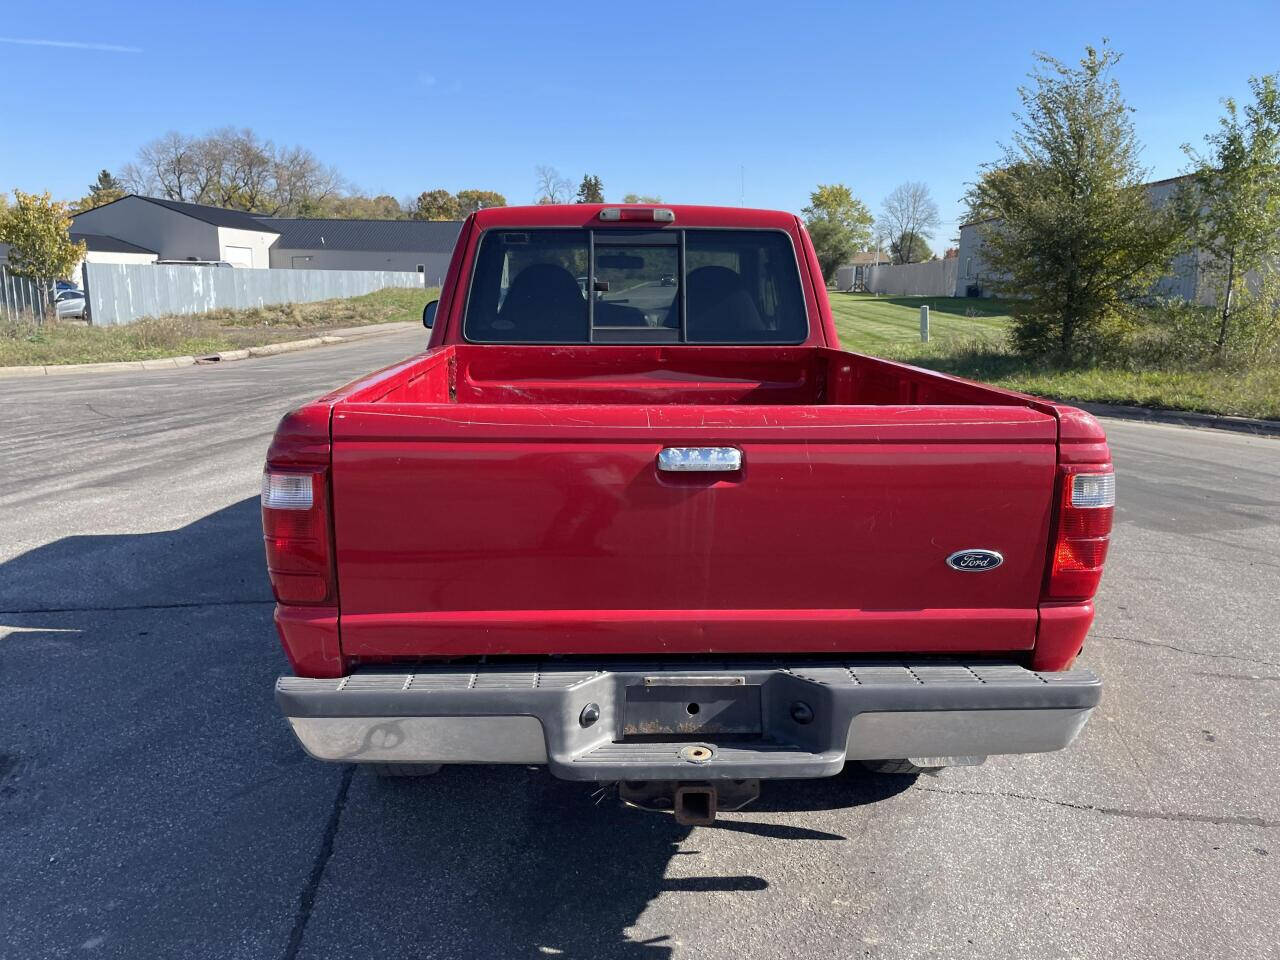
{"type": "Point", "coordinates": [71, 304]}
{"type": "Point", "coordinates": [671, 535]}
{"type": "Point", "coordinates": [195, 263]}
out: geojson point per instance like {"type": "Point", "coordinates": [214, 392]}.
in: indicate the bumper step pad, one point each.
{"type": "Point", "coordinates": [706, 720]}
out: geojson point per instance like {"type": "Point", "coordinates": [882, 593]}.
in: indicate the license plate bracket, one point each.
{"type": "Point", "coordinates": [691, 707]}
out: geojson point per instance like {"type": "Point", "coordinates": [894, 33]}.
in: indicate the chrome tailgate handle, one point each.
{"type": "Point", "coordinates": [700, 459]}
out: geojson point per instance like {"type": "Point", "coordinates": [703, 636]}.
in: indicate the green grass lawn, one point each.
{"type": "Point", "coordinates": [871, 324]}
{"type": "Point", "coordinates": [152, 338]}
{"type": "Point", "coordinates": [968, 338]}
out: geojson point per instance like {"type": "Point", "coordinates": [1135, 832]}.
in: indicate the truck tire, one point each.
{"type": "Point", "coordinates": [405, 769]}
{"type": "Point", "coordinates": [901, 767]}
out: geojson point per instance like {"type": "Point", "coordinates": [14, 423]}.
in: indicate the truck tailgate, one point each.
{"type": "Point", "coordinates": [466, 529]}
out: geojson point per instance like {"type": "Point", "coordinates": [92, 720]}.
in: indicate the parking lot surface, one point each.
{"type": "Point", "coordinates": [153, 804]}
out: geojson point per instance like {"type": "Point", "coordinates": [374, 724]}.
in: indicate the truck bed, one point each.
{"type": "Point", "coordinates": [656, 376]}
{"type": "Point", "coordinates": [495, 500]}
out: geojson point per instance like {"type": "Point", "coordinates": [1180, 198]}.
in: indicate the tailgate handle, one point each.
{"type": "Point", "coordinates": [700, 459]}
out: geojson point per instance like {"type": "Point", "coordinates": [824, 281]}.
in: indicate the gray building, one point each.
{"type": "Point", "coordinates": [424, 246]}
{"type": "Point", "coordinates": [973, 278]}
{"type": "Point", "coordinates": [174, 230]}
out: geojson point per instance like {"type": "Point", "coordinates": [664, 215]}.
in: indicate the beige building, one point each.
{"type": "Point", "coordinates": [854, 274]}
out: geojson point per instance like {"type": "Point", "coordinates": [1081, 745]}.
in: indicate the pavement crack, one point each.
{"type": "Point", "coordinates": [1233, 676]}
{"type": "Point", "coordinates": [307, 898]}
{"type": "Point", "coordinates": [1186, 650]}
{"type": "Point", "coordinates": [181, 605]}
{"type": "Point", "coordinates": [104, 416]}
{"type": "Point", "coordinates": [1228, 819]}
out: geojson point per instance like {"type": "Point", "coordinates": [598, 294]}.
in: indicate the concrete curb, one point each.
{"type": "Point", "coordinates": [171, 363]}
{"type": "Point", "coordinates": [1183, 418]}
{"type": "Point", "coordinates": [161, 363]}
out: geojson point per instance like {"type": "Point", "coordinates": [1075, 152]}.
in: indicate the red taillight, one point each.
{"type": "Point", "coordinates": [1083, 531]}
{"type": "Point", "coordinates": [295, 526]}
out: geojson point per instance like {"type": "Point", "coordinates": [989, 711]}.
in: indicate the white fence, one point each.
{"type": "Point", "coordinates": [124, 292]}
{"type": "Point", "coordinates": [933, 278]}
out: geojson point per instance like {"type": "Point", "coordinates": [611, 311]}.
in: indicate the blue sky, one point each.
{"type": "Point", "coordinates": [665, 98]}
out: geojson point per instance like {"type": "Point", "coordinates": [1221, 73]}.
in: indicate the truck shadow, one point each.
{"type": "Point", "coordinates": [187, 788]}
{"type": "Point", "coordinates": [510, 862]}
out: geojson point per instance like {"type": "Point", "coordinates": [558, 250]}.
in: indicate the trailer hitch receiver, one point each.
{"type": "Point", "coordinates": [694, 803]}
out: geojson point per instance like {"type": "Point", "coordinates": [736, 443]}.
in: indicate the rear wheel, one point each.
{"type": "Point", "coordinates": [405, 769]}
{"type": "Point", "coordinates": [901, 767]}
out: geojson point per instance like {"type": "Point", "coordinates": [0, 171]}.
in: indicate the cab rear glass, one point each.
{"type": "Point", "coordinates": [636, 286]}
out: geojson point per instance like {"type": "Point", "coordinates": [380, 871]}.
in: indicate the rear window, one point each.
{"type": "Point", "coordinates": [613, 286]}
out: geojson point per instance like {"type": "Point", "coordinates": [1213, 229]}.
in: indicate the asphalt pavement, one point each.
{"type": "Point", "coordinates": [153, 804]}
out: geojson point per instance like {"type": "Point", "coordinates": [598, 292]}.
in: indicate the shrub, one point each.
{"type": "Point", "coordinates": [161, 333]}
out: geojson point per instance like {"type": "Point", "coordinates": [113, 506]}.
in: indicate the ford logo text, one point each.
{"type": "Point", "coordinates": [973, 561]}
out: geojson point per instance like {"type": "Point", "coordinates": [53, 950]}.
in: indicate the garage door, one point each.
{"type": "Point", "coordinates": [238, 256]}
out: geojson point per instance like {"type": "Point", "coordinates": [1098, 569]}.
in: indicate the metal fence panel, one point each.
{"type": "Point", "coordinates": [933, 278]}
{"type": "Point", "coordinates": [21, 298]}
{"type": "Point", "coordinates": [124, 292]}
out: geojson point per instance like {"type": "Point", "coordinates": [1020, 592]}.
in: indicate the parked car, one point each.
{"type": "Point", "coordinates": [685, 558]}
{"type": "Point", "coordinates": [71, 304]}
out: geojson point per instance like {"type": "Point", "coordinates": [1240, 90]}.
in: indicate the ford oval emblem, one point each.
{"type": "Point", "coordinates": [975, 561]}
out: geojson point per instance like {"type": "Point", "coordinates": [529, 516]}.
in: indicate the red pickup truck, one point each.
{"type": "Point", "coordinates": [635, 515]}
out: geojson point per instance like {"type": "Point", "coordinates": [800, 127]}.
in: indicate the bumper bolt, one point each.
{"type": "Point", "coordinates": [801, 712]}
{"type": "Point", "coordinates": [590, 714]}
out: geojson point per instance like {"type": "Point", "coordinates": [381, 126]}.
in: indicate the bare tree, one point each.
{"type": "Point", "coordinates": [167, 167]}
{"type": "Point", "coordinates": [235, 169]}
{"type": "Point", "coordinates": [907, 215]}
{"type": "Point", "coordinates": [303, 184]}
{"type": "Point", "coordinates": [552, 188]}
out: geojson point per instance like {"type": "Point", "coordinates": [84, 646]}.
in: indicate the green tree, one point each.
{"type": "Point", "coordinates": [1075, 237]}
{"type": "Point", "coordinates": [909, 249]}
{"type": "Point", "coordinates": [351, 206]}
{"type": "Point", "coordinates": [436, 205]}
{"type": "Point", "coordinates": [469, 201]}
{"type": "Point", "coordinates": [591, 190]}
{"type": "Point", "coordinates": [1237, 189]}
{"type": "Point", "coordinates": [38, 231]}
{"type": "Point", "coordinates": [102, 191]}
{"type": "Point", "coordinates": [977, 208]}
{"type": "Point", "coordinates": [641, 198]}
{"type": "Point", "coordinates": [839, 225]}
